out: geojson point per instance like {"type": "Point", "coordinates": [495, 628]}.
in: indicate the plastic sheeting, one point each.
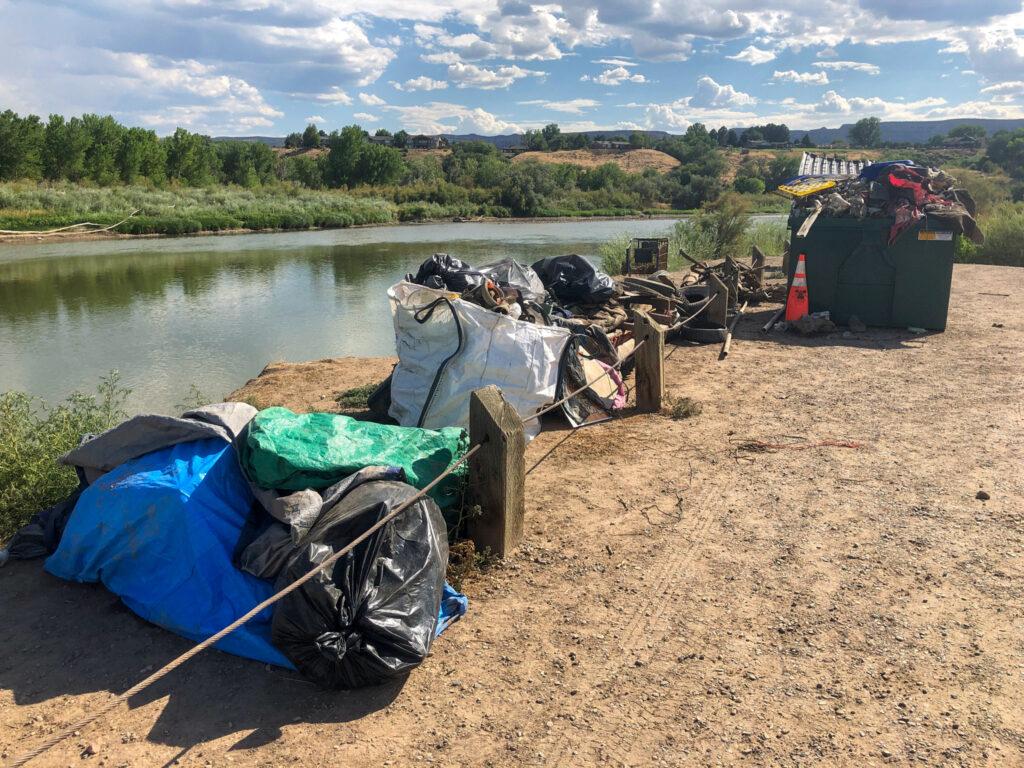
{"type": "Point", "coordinates": [158, 531]}
{"type": "Point", "coordinates": [511, 273]}
{"type": "Point", "coordinates": [448, 347]}
{"type": "Point", "coordinates": [289, 451]}
{"type": "Point", "coordinates": [373, 614]}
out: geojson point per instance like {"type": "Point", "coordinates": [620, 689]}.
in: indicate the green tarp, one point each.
{"type": "Point", "coordinates": [289, 452]}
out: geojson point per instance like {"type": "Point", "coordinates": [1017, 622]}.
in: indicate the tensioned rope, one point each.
{"type": "Point", "coordinates": [196, 650]}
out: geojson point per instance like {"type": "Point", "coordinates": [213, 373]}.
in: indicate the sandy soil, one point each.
{"type": "Point", "coordinates": [633, 161]}
{"type": "Point", "coordinates": [679, 599]}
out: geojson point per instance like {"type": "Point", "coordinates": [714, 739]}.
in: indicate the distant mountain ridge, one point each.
{"type": "Point", "coordinates": [913, 131]}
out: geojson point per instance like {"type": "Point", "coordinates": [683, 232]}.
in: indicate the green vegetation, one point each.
{"type": "Point", "coordinates": [33, 436]}
{"type": "Point", "coordinates": [356, 398]}
{"type": "Point", "coordinates": [184, 210]}
{"type": "Point", "coordinates": [721, 227]}
{"type": "Point", "coordinates": [1003, 226]}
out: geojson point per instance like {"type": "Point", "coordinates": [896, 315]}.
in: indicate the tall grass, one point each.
{"type": "Point", "coordinates": [182, 210]}
{"type": "Point", "coordinates": [699, 239]}
{"type": "Point", "coordinates": [1004, 238]}
{"type": "Point", "coordinates": [32, 437]}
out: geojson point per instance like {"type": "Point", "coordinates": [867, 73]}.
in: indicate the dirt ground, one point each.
{"type": "Point", "coordinates": [680, 599]}
{"type": "Point", "coordinates": [631, 161]}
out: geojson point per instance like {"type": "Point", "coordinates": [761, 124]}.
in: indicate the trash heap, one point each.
{"type": "Point", "coordinates": [538, 332]}
{"type": "Point", "coordinates": [899, 189]}
{"type": "Point", "coordinates": [194, 521]}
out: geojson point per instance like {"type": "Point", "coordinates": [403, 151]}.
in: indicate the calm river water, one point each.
{"type": "Point", "coordinates": [212, 311]}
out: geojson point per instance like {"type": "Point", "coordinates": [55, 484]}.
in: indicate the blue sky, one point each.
{"type": "Point", "coordinates": [268, 67]}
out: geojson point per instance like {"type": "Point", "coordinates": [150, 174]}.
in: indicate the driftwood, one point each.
{"type": "Point", "coordinates": [71, 229]}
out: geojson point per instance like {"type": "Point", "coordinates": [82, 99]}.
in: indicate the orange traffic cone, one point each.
{"type": "Point", "coordinates": [797, 304]}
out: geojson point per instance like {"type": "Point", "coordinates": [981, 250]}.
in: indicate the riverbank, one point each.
{"type": "Point", "coordinates": [681, 597]}
{"type": "Point", "coordinates": [27, 210]}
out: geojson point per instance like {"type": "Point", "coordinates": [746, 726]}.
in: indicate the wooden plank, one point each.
{"type": "Point", "coordinates": [497, 472]}
{"type": "Point", "coordinates": [650, 363]}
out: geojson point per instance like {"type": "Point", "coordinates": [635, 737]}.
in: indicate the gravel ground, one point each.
{"type": "Point", "coordinates": [683, 596]}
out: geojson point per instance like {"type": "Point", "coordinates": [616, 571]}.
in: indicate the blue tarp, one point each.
{"type": "Point", "coordinates": [159, 531]}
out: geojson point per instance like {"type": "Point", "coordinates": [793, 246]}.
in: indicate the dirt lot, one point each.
{"type": "Point", "coordinates": [631, 161]}
{"type": "Point", "coordinates": [679, 600]}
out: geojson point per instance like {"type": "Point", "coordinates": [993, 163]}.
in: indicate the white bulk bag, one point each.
{"type": "Point", "coordinates": [448, 347]}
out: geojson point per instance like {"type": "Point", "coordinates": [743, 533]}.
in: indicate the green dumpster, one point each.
{"type": "Point", "coordinates": [851, 270]}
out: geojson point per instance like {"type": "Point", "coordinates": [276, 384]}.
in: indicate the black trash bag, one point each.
{"type": "Point", "coordinates": [447, 272]}
{"type": "Point", "coordinates": [41, 535]}
{"type": "Point", "coordinates": [572, 278]}
{"type": "Point", "coordinates": [371, 616]}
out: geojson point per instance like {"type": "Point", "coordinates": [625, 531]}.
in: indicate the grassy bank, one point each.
{"type": "Point", "coordinates": [28, 206]}
{"type": "Point", "coordinates": [184, 210]}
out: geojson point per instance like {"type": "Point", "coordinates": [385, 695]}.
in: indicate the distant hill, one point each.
{"type": "Point", "coordinates": [913, 131]}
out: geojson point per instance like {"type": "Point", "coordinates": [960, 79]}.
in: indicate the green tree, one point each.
{"type": "Point", "coordinates": [246, 163]}
{"type": "Point", "coordinates": [400, 140]}
{"type": "Point", "coordinates": [732, 139]}
{"type": "Point", "coordinates": [140, 155]}
{"type": "Point", "coordinates": [378, 165]}
{"type": "Point", "coordinates": [535, 141]}
{"type": "Point", "coordinates": [305, 170]}
{"type": "Point", "coordinates": [806, 141]}
{"type": "Point", "coordinates": [578, 141]}
{"type": "Point", "coordinates": [866, 132]}
{"type": "Point", "coordinates": [639, 140]}
{"type": "Point", "coordinates": [553, 136]}
{"type": "Point", "coordinates": [191, 158]}
{"type": "Point", "coordinates": [975, 132]}
{"type": "Point", "coordinates": [293, 140]}
{"type": "Point", "coordinates": [1006, 149]}
{"type": "Point", "coordinates": [382, 132]}
{"type": "Point", "coordinates": [105, 135]}
{"type": "Point", "coordinates": [21, 146]}
{"type": "Point", "coordinates": [342, 163]}
{"type": "Point", "coordinates": [311, 137]}
{"type": "Point", "coordinates": [64, 145]}
{"type": "Point", "coordinates": [749, 185]}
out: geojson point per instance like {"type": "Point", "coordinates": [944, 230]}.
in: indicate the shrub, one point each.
{"type": "Point", "coordinates": [748, 185]}
{"type": "Point", "coordinates": [33, 436]}
{"type": "Point", "coordinates": [1004, 238]}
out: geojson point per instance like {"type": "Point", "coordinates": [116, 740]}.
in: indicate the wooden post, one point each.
{"type": "Point", "coordinates": [758, 261]}
{"type": "Point", "coordinates": [650, 359]}
{"type": "Point", "coordinates": [497, 472]}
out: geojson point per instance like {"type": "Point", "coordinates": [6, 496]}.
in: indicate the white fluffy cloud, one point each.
{"type": "Point", "coordinates": [804, 78]}
{"type": "Point", "coordinates": [753, 55]}
{"type": "Point", "coordinates": [441, 117]}
{"type": "Point", "coordinates": [712, 95]}
{"type": "Point", "coordinates": [997, 54]}
{"type": "Point", "coordinates": [572, 106]}
{"type": "Point", "coordinates": [466, 75]}
{"type": "Point", "coordinates": [317, 119]}
{"type": "Point", "coordinates": [853, 66]}
{"type": "Point", "coordinates": [615, 76]}
{"type": "Point", "coordinates": [366, 117]}
{"type": "Point", "coordinates": [422, 83]}
{"type": "Point", "coordinates": [371, 100]}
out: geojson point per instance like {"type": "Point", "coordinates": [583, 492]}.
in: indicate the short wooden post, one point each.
{"type": "Point", "coordinates": [497, 472]}
{"type": "Point", "coordinates": [650, 359]}
{"type": "Point", "coordinates": [758, 261]}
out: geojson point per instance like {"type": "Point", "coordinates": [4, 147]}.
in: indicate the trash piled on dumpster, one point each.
{"type": "Point", "coordinates": [898, 188]}
{"type": "Point", "coordinates": [194, 521]}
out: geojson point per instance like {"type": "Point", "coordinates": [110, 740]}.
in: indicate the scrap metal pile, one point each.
{"type": "Point", "coordinates": [899, 189]}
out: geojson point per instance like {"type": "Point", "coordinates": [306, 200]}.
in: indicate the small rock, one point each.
{"type": "Point", "coordinates": [982, 496]}
{"type": "Point", "coordinates": [89, 751]}
{"type": "Point", "coordinates": [997, 325]}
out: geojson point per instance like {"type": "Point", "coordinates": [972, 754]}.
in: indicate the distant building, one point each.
{"type": "Point", "coordinates": [384, 141]}
{"type": "Point", "coordinates": [617, 145]}
{"type": "Point", "coordinates": [421, 141]}
{"type": "Point", "coordinates": [762, 144]}
{"type": "Point", "coordinates": [963, 142]}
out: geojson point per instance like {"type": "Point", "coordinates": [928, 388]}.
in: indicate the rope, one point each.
{"type": "Point", "coordinates": [196, 650]}
{"type": "Point", "coordinates": [173, 665]}
{"type": "Point", "coordinates": [64, 230]}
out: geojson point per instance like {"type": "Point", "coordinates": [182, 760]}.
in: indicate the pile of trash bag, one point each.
{"type": "Point", "coordinates": [525, 329]}
{"type": "Point", "coordinates": [899, 189]}
{"type": "Point", "coordinates": [168, 517]}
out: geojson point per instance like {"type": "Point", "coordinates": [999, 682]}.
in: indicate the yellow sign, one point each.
{"type": "Point", "coordinates": [928, 234]}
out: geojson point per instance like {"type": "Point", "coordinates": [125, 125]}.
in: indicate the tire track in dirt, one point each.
{"type": "Point", "coordinates": [642, 633]}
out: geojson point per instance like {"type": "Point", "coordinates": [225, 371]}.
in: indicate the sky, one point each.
{"type": "Point", "coordinates": [269, 67]}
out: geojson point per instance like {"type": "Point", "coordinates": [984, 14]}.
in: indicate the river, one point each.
{"type": "Point", "coordinates": [212, 311]}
